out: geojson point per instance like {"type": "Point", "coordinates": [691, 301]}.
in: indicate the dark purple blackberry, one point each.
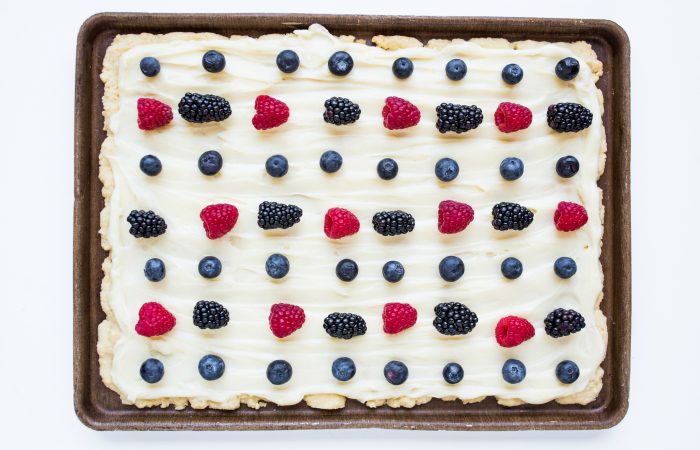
{"type": "Point", "coordinates": [273, 215]}
{"type": "Point", "coordinates": [511, 216]}
{"type": "Point", "coordinates": [200, 108]}
{"type": "Point", "coordinates": [146, 224]}
{"type": "Point", "coordinates": [341, 111]}
{"type": "Point", "coordinates": [563, 322]}
{"type": "Point", "coordinates": [454, 318]}
{"type": "Point", "coordinates": [568, 117]}
{"type": "Point", "coordinates": [210, 315]}
{"type": "Point", "coordinates": [457, 118]}
{"type": "Point", "coordinates": [344, 325]}
{"type": "Point", "coordinates": [393, 223]}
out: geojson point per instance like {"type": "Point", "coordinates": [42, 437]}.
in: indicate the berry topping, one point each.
{"type": "Point", "coordinates": [154, 270]}
{"type": "Point", "coordinates": [512, 74]}
{"type": "Point", "coordinates": [562, 322]}
{"type": "Point", "coordinates": [154, 320]}
{"type": "Point", "coordinates": [343, 369]}
{"type": "Point", "coordinates": [393, 271]}
{"type": "Point", "coordinates": [568, 117]}
{"type": "Point", "coordinates": [340, 111]}
{"type": "Point", "coordinates": [451, 268]}
{"type": "Point", "coordinates": [340, 222]}
{"type": "Point", "coordinates": [287, 61]}
{"type": "Point", "coordinates": [513, 371]}
{"type": "Point", "coordinates": [510, 117]}
{"type": "Point", "coordinates": [457, 118]}
{"type": "Point", "coordinates": [211, 367]}
{"type": "Point", "coordinates": [452, 373]}
{"type": "Point", "coordinates": [511, 216]}
{"type": "Point", "coordinates": [454, 318]}
{"type": "Point", "coordinates": [398, 317]}
{"type": "Point", "coordinates": [150, 165]}
{"type": "Point", "coordinates": [393, 223]}
{"type": "Point", "coordinates": [567, 166]}
{"type": "Point", "coordinates": [454, 217]}
{"type": "Point", "coordinates": [146, 224]}
{"type": "Point", "coordinates": [565, 267]}
{"type": "Point", "coordinates": [387, 169]}
{"type": "Point", "coordinates": [277, 266]}
{"type": "Point", "coordinates": [285, 319]}
{"type": "Point", "coordinates": [201, 108]}
{"type": "Point", "coordinates": [567, 372]}
{"type": "Point", "coordinates": [395, 372]}
{"type": "Point", "coordinates": [344, 325]}
{"type": "Point", "coordinates": [269, 112]}
{"type": "Point", "coordinates": [511, 268]}
{"type": "Point", "coordinates": [512, 168]}
{"type": "Point", "coordinates": [456, 69]}
{"type": "Point", "coordinates": [277, 166]}
{"type": "Point", "coordinates": [152, 370]}
{"type": "Point", "coordinates": [346, 270]}
{"type": "Point", "coordinates": [273, 215]}
{"type": "Point", "coordinates": [209, 267]}
{"type": "Point", "coordinates": [446, 169]}
{"type": "Point", "coordinates": [331, 161]}
{"type": "Point", "coordinates": [213, 61]}
{"type": "Point", "coordinates": [210, 162]}
{"type": "Point", "coordinates": [402, 68]}
{"type": "Point", "coordinates": [149, 66]}
{"type": "Point", "coordinates": [209, 315]}
{"type": "Point", "coordinates": [152, 114]}
{"type": "Point", "coordinates": [279, 372]}
{"type": "Point", "coordinates": [218, 219]}
{"type": "Point", "coordinates": [512, 331]}
{"type": "Point", "coordinates": [567, 68]}
{"type": "Point", "coordinates": [340, 63]}
{"type": "Point", "coordinates": [570, 216]}
{"type": "Point", "coordinates": [399, 113]}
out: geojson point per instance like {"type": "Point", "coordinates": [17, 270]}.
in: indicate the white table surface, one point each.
{"type": "Point", "coordinates": [37, 39]}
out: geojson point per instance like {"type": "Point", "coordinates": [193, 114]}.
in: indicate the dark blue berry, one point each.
{"type": "Point", "coordinates": [154, 269]}
{"type": "Point", "coordinates": [565, 267]}
{"type": "Point", "coordinates": [567, 372]}
{"type": "Point", "coordinates": [209, 267]}
{"type": "Point", "coordinates": [343, 369]}
{"type": "Point", "coordinates": [511, 268]}
{"type": "Point", "coordinates": [393, 271]}
{"type": "Point", "coordinates": [150, 165]}
{"type": "Point", "coordinates": [288, 61]}
{"type": "Point", "coordinates": [277, 266]}
{"type": "Point", "coordinates": [446, 169]}
{"type": "Point", "coordinates": [279, 372]}
{"type": "Point", "coordinates": [150, 66]}
{"type": "Point", "coordinates": [395, 372]}
{"type": "Point", "coordinates": [456, 69]}
{"type": "Point", "coordinates": [211, 367]}
{"type": "Point", "coordinates": [567, 69]}
{"type": "Point", "coordinates": [512, 74]}
{"type": "Point", "coordinates": [331, 161]}
{"type": "Point", "coordinates": [213, 61]}
{"type": "Point", "coordinates": [346, 270]}
{"type": "Point", "coordinates": [567, 166]}
{"type": "Point", "coordinates": [210, 162]}
{"type": "Point", "coordinates": [340, 63]}
{"type": "Point", "coordinates": [402, 68]}
{"type": "Point", "coordinates": [152, 370]}
{"type": "Point", "coordinates": [512, 168]}
{"type": "Point", "coordinates": [387, 169]}
{"type": "Point", "coordinates": [277, 166]}
{"type": "Point", "coordinates": [451, 268]}
{"type": "Point", "coordinates": [453, 373]}
{"type": "Point", "coordinates": [513, 371]}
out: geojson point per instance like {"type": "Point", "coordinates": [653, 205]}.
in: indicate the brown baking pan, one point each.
{"type": "Point", "coordinates": [100, 408]}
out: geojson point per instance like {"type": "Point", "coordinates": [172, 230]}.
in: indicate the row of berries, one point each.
{"type": "Point", "coordinates": [397, 114]}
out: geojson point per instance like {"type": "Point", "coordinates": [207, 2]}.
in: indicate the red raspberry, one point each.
{"type": "Point", "coordinates": [454, 217]}
{"type": "Point", "coordinates": [399, 113]}
{"type": "Point", "coordinates": [153, 114]}
{"type": "Point", "coordinates": [570, 216]}
{"type": "Point", "coordinates": [340, 223]}
{"type": "Point", "coordinates": [511, 117]}
{"type": "Point", "coordinates": [154, 320]}
{"type": "Point", "coordinates": [512, 331]}
{"type": "Point", "coordinates": [218, 219]}
{"type": "Point", "coordinates": [285, 319]}
{"type": "Point", "coordinates": [398, 317]}
{"type": "Point", "coordinates": [269, 112]}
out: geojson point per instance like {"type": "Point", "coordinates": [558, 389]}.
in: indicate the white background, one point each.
{"type": "Point", "coordinates": [37, 45]}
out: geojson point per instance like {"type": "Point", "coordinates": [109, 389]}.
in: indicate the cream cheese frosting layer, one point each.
{"type": "Point", "coordinates": [246, 344]}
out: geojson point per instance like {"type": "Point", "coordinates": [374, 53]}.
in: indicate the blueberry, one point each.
{"type": "Point", "coordinates": [456, 69]}
{"type": "Point", "coordinates": [213, 61]}
{"type": "Point", "coordinates": [277, 266]}
{"type": "Point", "coordinates": [453, 373]}
{"type": "Point", "coordinates": [340, 63]}
{"type": "Point", "coordinates": [279, 372]}
{"type": "Point", "coordinates": [210, 162]}
{"type": "Point", "coordinates": [511, 268]}
{"type": "Point", "coordinates": [451, 268]}
{"type": "Point", "coordinates": [512, 74]}
{"type": "Point", "coordinates": [277, 166]}
{"type": "Point", "coordinates": [395, 372]}
{"type": "Point", "coordinates": [387, 169]}
{"type": "Point", "coordinates": [150, 165]}
{"type": "Point", "coordinates": [331, 161]}
{"type": "Point", "coordinates": [402, 68]}
{"type": "Point", "coordinates": [513, 371]}
{"type": "Point", "coordinates": [211, 367]}
{"type": "Point", "coordinates": [154, 269]}
{"type": "Point", "coordinates": [343, 369]}
{"type": "Point", "coordinates": [288, 61]}
{"type": "Point", "coordinates": [152, 370]}
{"type": "Point", "coordinates": [446, 169]}
{"type": "Point", "coordinates": [209, 267]}
{"type": "Point", "coordinates": [565, 267]}
{"type": "Point", "coordinates": [567, 372]}
{"type": "Point", "coordinates": [150, 66]}
{"type": "Point", "coordinates": [512, 168]}
{"type": "Point", "coordinates": [393, 271]}
{"type": "Point", "coordinates": [567, 69]}
{"type": "Point", "coordinates": [567, 166]}
{"type": "Point", "coordinates": [346, 270]}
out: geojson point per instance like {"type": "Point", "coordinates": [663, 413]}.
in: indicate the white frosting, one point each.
{"type": "Point", "coordinates": [246, 344]}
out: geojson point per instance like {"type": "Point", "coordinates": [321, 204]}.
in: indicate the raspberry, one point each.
{"type": "Point", "coordinates": [512, 331]}
{"type": "Point", "coordinates": [269, 112]}
{"type": "Point", "coordinates": [340, 223]}
{"type": "Point", "coordinates": [152, 113]}
{"type": "Point", "coordinates": [570, 216]}
{"type": "Point", "coordinates": [454, 217]}
{"type": "Point", "coordinates": [154, 320]}
{"type": "Point", "coordinates": [399, 113]}
{"type": "Point", "coordinates": [511, 117]}
{"type": "Point", "coordinates": [285, 319]}
{"type": "Point", "coordinates": [398, 317]}
{"type": "Point", "coordinates": [218, 219]}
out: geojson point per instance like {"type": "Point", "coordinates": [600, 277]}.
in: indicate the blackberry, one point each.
{"type": "Point", "coordinates": [393, 223]}
{"type": "Point", "coordinates": [458, 118]}
{"type": "Point", "coordinates": [146, 224]}
{"type": "Point", "coordinates": [344, 325]}
{"type": "Point", "coordinates": [210, 315]}
{"type": "Point", "coordinates": [278, 215]}
{"type": "Point", "coordinates": [199, 108]}
{"type": "Point", "coordinates": [562, 322]}
{"type": "Point", "coordinates": [511, 216]}
{"type": "Point", "coordinates": [341, 111]}
{"type": "Point", "coordinates": [568, 117]}
{"type": "Point", "coordinates": [454, 318]}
